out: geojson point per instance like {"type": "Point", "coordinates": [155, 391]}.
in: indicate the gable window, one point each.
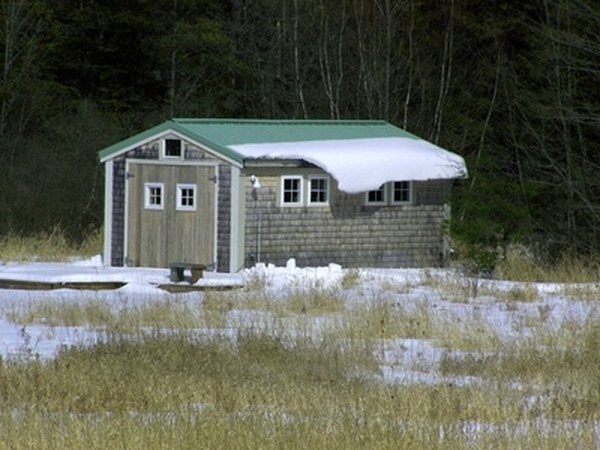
{"type": "Point", "coordinates": [376, 196]}
{"type": "Point", "coordinates": [186, 197]}
{"type": "Point", "coordinates": [153, 195]}
{"type": "Point", "coordinates": [173, 148]}
{"type": "Point", "coordinates": [318, 190]}
{"type": "Point", "coordinates": [401, 192]}
{"type": "Point", "coordinates": [291, 191]}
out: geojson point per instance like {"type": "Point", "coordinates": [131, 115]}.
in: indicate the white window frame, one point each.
{"type": "Point", "coordinates": [179, 206]}
{"type": "Point", "coordinates": [163, 148]}
{"type": "Point", "coordinates": [300, 201]}
{"type": "Point", "coordinates": [393, 192]}
{"type": "Point", "coordinates": [147, 196]}
{"type": "Point", "coordinates": [312, 178]}
{"type": "Point", "coordinates": [383, 201]}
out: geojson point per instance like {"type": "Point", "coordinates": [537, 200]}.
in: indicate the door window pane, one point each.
{"type": "Point", "coordinates": [153, 195]}
{"type": "Point", "coordinates": [186, 197]}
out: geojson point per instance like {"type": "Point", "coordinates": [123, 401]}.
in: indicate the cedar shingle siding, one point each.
{"type": "Point", "coordinates": [348, 232]}
{"type": "Point", "coordinates": [223, 218]}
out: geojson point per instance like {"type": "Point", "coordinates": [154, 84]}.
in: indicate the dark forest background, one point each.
{"type": "Point", "coordinates": [513, 86]}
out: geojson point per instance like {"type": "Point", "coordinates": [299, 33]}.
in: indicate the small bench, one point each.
{"type": "Point", "coordinates": [178, 268]}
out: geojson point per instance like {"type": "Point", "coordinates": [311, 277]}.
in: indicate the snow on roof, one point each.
{"type": "Point", "coordinates": [361, 165]}
{"type": "Point", "coordinates": [360, 155]}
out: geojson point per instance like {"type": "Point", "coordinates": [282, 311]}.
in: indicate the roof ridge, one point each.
{"type": "Point", "coordinates": [222, 134]}
{"type": "Point", "coordinates": [184, 120]}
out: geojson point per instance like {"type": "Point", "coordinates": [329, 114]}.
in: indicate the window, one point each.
{"type": "Point", "coordinates": [377, 196]}
{"type": "Point", "coordinates": [401, 192]}
{"type": "Point", "coordinates": [153, 195]}
{"type": "Point", "coordinates": [396, 193]}
{"type": "Point", "coordinates": [173, 148]}
{"type": "Point", "coordinates": [291, 191]}
{"type": "Point", "coordinates": [318, 190]}
{"type": "Point", "coordinates": [186, 197]}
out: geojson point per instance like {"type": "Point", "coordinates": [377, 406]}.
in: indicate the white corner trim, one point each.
{"type": "Point", "coordinates": [126, 216]}
{"type": "Point", "coordinates": [108, 215]}
{"type": "Point", "coordinates": [216, 221]}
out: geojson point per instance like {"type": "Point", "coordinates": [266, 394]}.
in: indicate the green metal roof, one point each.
{"type": "Point", "coordinates": [220, 134]}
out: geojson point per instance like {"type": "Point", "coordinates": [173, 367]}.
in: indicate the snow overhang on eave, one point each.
{"type": "Point", "coordinates": [361, 165]}
{"type": "Point", "coordinates": [276, 162]}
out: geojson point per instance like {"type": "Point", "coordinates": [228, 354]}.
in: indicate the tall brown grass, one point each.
{"type": "Point", "coordinates": [181, 385]}
{"type": "Point", "coordinates": [255, 390]}
{"type": "Point", "coordinates": [53, 245]}
{"type": "Point", "coordinates": [521, 264]}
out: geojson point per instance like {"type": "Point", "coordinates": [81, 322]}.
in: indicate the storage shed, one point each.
{"type": "Point", "coordinates": [230, 193]}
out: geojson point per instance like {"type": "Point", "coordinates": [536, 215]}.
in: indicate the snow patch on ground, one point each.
{"type": "Point", "coordinates": [409, 290]}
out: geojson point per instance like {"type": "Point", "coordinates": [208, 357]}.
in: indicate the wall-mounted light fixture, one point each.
{"type": "Point", "coordinates": [255, 182]}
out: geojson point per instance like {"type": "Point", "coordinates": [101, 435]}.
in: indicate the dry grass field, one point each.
{"type": "Point", "coordinates": [415, 359]}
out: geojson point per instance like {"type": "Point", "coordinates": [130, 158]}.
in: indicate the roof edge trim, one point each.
{"type": "Point", "coordinates": [150, 134]}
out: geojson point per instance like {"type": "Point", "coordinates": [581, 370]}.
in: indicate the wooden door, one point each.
{"type": "Point", "coordinates": [171, 214]}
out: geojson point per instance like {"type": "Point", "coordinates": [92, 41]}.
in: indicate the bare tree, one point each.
{"type": "Point", "coordinates": [445, 75]}
{"type": "Point", "coordinates": [409, 63]}
{"type": "Point", "coordinates": [297, 77]}
{"type": "Point", "coordinates": [332, 66]}
{"type": "Point", "coordinates": [21, 28]}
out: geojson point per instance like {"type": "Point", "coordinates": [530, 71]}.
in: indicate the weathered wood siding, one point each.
{"type": "Point", "coordinates": [348, 231]}
{"type": "Point", "coordinates": [157, 237]}
{"type": "Point", "coordinates": [151, 151]}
